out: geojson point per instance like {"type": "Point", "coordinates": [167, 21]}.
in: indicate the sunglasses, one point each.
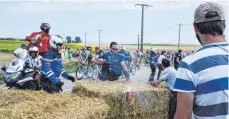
{"type": "Point", "coordinates": [33, 52]}
{"type": "Point", "coordinates": [59, 44]}
{"type": "Point", "coordinates": [114, 49]}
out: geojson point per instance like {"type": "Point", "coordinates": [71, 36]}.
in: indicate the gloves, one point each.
{"type": "Point", "coordinates": [71, 78]}
{"type": "Point", "coordinates": [59, 85]}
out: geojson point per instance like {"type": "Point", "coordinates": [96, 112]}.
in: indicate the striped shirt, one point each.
{"type": "Point", "coordinates": [205, 73]}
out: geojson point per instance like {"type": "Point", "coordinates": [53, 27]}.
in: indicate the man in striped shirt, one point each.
{"type": "Point", "coordinates": [202, 81]}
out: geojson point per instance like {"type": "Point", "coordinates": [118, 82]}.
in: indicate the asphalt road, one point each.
{"type": "Point", "coordinates": [141, 76]}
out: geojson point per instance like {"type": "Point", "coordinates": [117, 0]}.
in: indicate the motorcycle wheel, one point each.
{"type": "Point", "coordinates": [30, 85]}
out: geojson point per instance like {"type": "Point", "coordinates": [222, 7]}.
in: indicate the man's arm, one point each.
{"type": "Point", "coordinates": [184, 105]}
{"type": "Point", "coordinates": [156, 83]}
{"type": "Point", "coordinates": [185, 88]}
{"type": "Point", "coordinates": [46, 68]}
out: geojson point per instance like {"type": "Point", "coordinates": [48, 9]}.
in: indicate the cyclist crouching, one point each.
{"type": "Point", "coordinates": [113, 64]}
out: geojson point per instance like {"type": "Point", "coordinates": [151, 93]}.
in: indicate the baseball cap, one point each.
{"type": "Point", "coordinates": [208, 12]}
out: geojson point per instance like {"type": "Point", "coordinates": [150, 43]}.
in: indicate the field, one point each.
{"type": "Point", "coordinates": [11, 45]}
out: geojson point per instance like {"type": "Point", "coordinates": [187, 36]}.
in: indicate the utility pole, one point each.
{"type": "Point", "coordinates": [64, 36]}
{"type": "Point", "coordinates": [179, 36]}
{"type": "Point", "coordinates": [85, 39]}
{"type": "Point", "coordinates": [138, 41]}
{"type": "Point", "coordinates": [99, 36]}
{"type": "Point", "coordinates": [142, 21]}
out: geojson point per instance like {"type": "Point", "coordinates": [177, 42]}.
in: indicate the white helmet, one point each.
{"type": "Point", "coordinates": [56, 39]}
{"type": "Point", "coordinates": [123, 47]}
{"type": "Point", "coordinates": [34, 49]}
{"type": "Point", "coordinates": [153, 50]}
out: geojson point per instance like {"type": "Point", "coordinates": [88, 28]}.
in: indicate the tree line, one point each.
{"type": "Point", "coordinates": [68, 39]}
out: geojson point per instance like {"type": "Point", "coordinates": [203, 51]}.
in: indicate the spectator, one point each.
{"type": "Point", "coordinates": [202, 80]}
{"type": "Point", "coordinates": [162, 56]}
{"type": "Point", "coordinates": [69, 54]}
{"type": "Point", "coordinates": [21, 52]}
{"type": "Point", "coordinates": [177, 59]}
{"type": "Point", "coordinates": [169, 75]}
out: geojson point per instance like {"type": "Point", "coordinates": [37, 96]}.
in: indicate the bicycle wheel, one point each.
{"type": "Point", "coordinates": [90, 72]}
{"type": "Point", "coordinates": [133, 69]}
{"type": "Point", "coordinates": [95, 74]}
{"type": "Point", "coordinates": [79, 73]}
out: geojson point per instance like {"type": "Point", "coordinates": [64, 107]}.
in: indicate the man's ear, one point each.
{"type": "Point", "coordinates": [195, 29]}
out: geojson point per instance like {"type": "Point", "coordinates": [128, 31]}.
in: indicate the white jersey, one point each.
{"type": "Point", "coordinates": [33, 62]}
{"type": "Point", "coordinates": [21, 53]}
{"type": "Point", "coordinates": [160, 59]}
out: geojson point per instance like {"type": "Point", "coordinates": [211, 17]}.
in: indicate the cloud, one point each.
{"type": "Point", "coordinates": [96, 5]}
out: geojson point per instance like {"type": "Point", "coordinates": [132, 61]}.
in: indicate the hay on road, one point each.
{"type": "Point", "coordinates": [146, 101]}
{"type": "Point", "coordinates": [40, 105]}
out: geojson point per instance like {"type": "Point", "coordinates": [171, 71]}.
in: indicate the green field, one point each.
{"type": "Point", "coordinates": [11, 45]}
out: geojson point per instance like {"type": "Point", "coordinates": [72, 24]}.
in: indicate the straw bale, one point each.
{"type": "Point", "coordinates": [40, 105]}
{"type": "Point", "coordinates": [145, 100]}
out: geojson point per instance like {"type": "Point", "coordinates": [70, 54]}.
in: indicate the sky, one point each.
{"type": "Point", "coordinates": [119, 20]}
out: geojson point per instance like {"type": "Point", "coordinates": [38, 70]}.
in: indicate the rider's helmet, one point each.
{"type": "Point", "coordinates": [33, 49]}
{"type": "Point", "coordinates": [56, 40]}
{"type": "Point", "coordinates": [45, 27]}
{"type": "Point", "coordinates": [153, 50]}
{"type": "Point", "coordinates": [123, 48]}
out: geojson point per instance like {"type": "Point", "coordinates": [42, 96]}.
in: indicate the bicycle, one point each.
{"type": "Point", "coordinates": [83, 70]}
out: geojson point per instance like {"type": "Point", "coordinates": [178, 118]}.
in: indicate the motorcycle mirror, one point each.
{"type": "Point", "coordinates": [3, 68]}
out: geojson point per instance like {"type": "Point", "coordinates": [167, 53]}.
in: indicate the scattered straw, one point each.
{"type": "Point", "coordinates": [40, 105]}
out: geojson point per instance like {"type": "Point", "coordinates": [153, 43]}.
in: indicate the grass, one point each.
{"type": "Point", "coordinates": [73, 46]}
{"type": "Point", "coordinates": [11, 45]}
{"type": "Point", "coordinates": [70, 66]}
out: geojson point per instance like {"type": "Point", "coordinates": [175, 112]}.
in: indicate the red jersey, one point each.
{"type": "Point", "coordinates": [39, 40]}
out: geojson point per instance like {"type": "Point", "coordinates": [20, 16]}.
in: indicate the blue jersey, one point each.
{"type": "Point", "coordinates": [125, 54]}
{"type": "Point", "coordinates": [153, 58]}
{"type": "Point", "coordinates": [52, 66]}
{"type": "Point", "coordinates": [114, 60]}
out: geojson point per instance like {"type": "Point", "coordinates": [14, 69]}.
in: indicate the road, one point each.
{"type": "Point", "coordinates": [141, 76]}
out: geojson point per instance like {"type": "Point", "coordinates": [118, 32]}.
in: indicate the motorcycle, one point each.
{"type": "Point", "coordinates": [18, 76]}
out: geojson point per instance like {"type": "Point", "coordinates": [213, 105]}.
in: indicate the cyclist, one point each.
{"type": "Point", "coordinates": [113, 64]}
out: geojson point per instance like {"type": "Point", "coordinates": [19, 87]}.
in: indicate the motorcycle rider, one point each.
{"type": "Point", "coordinates": [52, 67]}
{"type": "Point", "coordinates": [33, 61]}
{"type": "Point", "coordinates": [40, 39]}
{"type": "Point", "coordinates": [113, 64]}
